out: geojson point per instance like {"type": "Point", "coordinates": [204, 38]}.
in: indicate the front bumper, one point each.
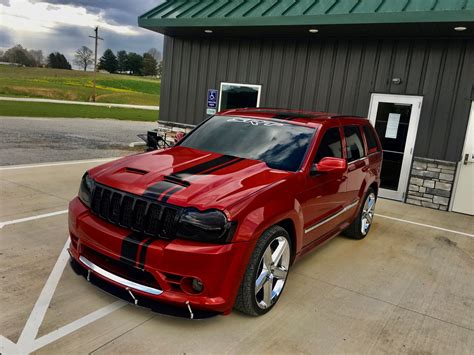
{"type": "Point", "coordinates": [168, 267]}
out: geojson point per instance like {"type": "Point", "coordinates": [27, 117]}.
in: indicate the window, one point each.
{"type": "Point", "coordinates": [370, 138]}
{"type": "Point", "coordinates": [330, 146]}
{"type": "Point", "coordinates": [280, 145]}
{"type": "Point", "coordinates": [355, 147]}
{"type": "Point", "coordinates": [239, 96]}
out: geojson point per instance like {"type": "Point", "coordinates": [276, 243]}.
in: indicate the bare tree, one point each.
{"type": "Point", "coordinates": [155, 53]}
{"type": "Point", "coordinates": [84, 57]}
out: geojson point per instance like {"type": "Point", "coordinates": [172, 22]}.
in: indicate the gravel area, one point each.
{"type": "Point", "coordinates": [25, 140]}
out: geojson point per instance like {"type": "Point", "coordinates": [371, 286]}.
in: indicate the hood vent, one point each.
{"type": "Point", "coordinates": [176, 180]}
{"type": "Point", "coordinates": [136, 171]}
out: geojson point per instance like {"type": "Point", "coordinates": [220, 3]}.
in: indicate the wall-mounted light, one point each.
{"type": "Point", "coordinates": [396, 81]}
{"type": "Point", "coordinates": [208, 31]}
{"type": "Point", "coordinates": [460, 28]}
{"type": "Point", "coordinates": [313, 30]}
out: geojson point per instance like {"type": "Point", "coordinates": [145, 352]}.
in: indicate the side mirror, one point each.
{"type": "Point", "coordinates": [329, 165]}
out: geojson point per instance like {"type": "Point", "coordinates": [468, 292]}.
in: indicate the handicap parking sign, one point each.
{"type": "Point", "coordinates": [212, 98]}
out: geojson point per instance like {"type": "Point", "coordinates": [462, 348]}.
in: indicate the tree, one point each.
{"type": "Point", "coordinates": [58, 61]}
{"type": "Point", "coordinates": [134, 63]}
{"type": "Point", "coordinates": [108, 61]}
{"type": "Point", "coordinates": [37, 56]}
{"type": "Point", "coordinates": [149, 65]}
{"type": "Point", "coordinates": [121, 61]}
{"type": "Point", "coordinates": [19, 55]}
{"type": "Point", "coordinates": [159, 70]}
{"type": "Point", "coordinates": [155, 53]}
{"type": "Point", "coordinates": [84, 57]}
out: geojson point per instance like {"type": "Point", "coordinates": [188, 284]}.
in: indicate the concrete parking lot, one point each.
{"type": "Point", "coordinates": [408, 287]}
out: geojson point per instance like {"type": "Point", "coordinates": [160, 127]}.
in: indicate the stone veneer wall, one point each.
{"type": "Point", "coordinates": [431, 183]}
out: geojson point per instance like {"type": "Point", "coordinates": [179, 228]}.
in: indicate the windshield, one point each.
{"type": "Point", "coordinates": [280, 145]}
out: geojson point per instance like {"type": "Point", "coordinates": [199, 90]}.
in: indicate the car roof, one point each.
{"type": "Point", "coordinates": [306, 118]}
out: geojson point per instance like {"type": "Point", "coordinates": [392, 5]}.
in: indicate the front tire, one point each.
{"type": "Point", "coordinates": [266, 273]}
{"type": "Point", "coordinates": [361, 225]}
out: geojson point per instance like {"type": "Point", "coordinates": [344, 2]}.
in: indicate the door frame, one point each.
{"type": "Point", "coordinates": [416, 102]}
{"type": "Point", "coordinates": [460, 163]}
{"type": "Point", "coordinates": [253, 86]}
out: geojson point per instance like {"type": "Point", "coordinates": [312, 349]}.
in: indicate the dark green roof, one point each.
{"type": "Point", "coordinates": [255, 13]}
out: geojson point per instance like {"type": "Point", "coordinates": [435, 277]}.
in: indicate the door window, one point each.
{"type": "Point", "coordinates": [330, 146]}
{"type": "Point", "coordinates": [391, 124]}
{"type": "Point", "coordinates": [370, 139]}
{"type": "Point", "coordinates": [354, 145]}
{"type": "Point", "coordinates": [239, 96]}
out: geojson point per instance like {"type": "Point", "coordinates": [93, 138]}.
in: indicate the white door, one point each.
{"type": "Point", "coordinates": [464, 194]}
{"type": "Point", "coordinates": [395, 118]}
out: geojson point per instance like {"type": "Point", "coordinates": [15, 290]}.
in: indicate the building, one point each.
{"type": "Point", "coordinates": [407, 65]}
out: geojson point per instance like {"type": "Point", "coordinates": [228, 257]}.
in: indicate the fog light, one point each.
{"type": "Point", "coordinates": [197, 285]}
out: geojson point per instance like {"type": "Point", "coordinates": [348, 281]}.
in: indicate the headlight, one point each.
{"type": "Point", "coordinates": [85, 190]}
{"type": "Point", "coordinates": [207, 226]}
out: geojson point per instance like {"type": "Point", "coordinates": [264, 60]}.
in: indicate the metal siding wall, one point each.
{"type": "Point", "coordinates": [329, 75]}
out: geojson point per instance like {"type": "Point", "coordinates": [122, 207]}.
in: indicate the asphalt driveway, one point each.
{"type": "Point", "coordinates": [26, 140]}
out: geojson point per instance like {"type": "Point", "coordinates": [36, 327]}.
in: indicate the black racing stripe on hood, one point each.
{"type": "Point", "coordinates": [197, 169]}
{"type": "Point", "coordinates": [155, 191]}
{"type": "Point", "coordinates": [237, 160]}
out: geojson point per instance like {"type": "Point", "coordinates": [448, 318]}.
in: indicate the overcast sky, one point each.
{"type": "Point", "coordinates": [64, 25]}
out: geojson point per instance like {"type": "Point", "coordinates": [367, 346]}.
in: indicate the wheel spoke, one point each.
{"type": "Point", "coordinates": [267, 292]}
{"type": "Point", "coordinates": [267, 259]}
{"type": "Point", "coordinates": [278, 253]}
{"type": "Point", "coordinates": [280, 273]}
{"type": "Point", "coordinates": [262, 278]}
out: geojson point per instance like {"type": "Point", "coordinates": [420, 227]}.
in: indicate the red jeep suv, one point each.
{"type": "Point", "coordinates": [216, 221]}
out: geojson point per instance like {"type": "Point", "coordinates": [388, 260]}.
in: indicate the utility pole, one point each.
{"type": "Point", "coordinates": [96, 37]}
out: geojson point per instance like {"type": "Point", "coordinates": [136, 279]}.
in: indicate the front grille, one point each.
{"type": "Point", "coordinates": [135, 212]}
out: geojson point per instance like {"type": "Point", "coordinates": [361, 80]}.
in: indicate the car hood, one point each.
{"type": "Point", "coordinates": [188, 177]}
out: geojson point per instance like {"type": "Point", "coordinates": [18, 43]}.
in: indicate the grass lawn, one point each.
{"type": "Point", "coordinates": [76, 85]}
{"type": "Point", "coordinates": [39, 109]}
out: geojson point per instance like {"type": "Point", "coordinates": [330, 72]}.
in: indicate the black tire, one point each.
{"type": "Point", "coordinates": [354, 231]}
{"type": "Point", "coordinates": [246, 301]}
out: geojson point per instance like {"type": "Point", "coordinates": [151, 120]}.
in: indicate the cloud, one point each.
{"type": "Point", "coordinates": [117, 11]}
{"type": "Point", "coordinates": [65, 25]}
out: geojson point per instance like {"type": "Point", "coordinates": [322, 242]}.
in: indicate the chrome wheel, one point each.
{"type": "Point", "coordinates": [272, 272]}
{"type": "Point", "coordinates": [367, 213]}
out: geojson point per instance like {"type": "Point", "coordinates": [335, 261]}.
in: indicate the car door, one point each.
{"type": "Point", "coordinates": [357, 164]}
{"type": "Point", "coordinates": [322, 198]}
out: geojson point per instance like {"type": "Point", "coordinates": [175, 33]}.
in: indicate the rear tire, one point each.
{"type": "Point", "coordinates": [360, 227]}
{"type": "Point", "coordinates": [266, 273]}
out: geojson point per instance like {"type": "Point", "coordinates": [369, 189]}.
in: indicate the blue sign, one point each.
{"type": "Point", "coordinates": [212, 98]}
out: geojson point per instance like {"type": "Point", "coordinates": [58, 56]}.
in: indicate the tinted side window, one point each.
{"type": "Point", "coordinates": [355, 147]}
{"type": "Point", "coordinates": [370, 138]}
{"type": "Point", "coordinates": [330, 146]}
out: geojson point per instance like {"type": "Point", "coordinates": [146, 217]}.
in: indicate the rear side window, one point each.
{"type": "Point", "coordinates": [370, 138]}
{"type": "Point", "coordinates": [355, 147]}
{"type": "Point", "coordinates": [330, 146]}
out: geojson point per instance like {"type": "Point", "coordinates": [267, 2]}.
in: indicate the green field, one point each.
{"type": "Point", "coordinates": [36, 109]}
{"type": "Point", "coordinates": [77, 86]}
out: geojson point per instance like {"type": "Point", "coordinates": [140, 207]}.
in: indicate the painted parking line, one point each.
{"type": "Point", "coordinates": [28, 335]}
{"type": "Point", "coordinates": [59, 163]}
{"type": "Point", "coordinates": [425, 225]}
{"type": "Point", "coordinates": [32, 218]}
{"type": "Point", "coordinates": [77, 324]}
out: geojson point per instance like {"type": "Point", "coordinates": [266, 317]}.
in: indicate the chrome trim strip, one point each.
{"type": "Point", "coordinates": [118, 279]}
{"type": "Point", "coordinates": [330, 218]}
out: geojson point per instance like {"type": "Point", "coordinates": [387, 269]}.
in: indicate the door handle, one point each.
{"type": "Point", "coordinates": [466, 159]}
